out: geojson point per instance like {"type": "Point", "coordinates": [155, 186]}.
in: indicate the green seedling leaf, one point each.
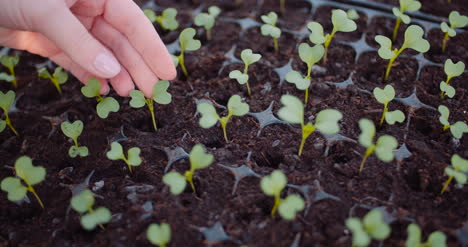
{"type": "Point", "coordinates": [9, 61]}
{"type": "Point", "coordinates": [410, 5]}
{"type": "Point", "coordinates": [199, 159]}
{"type": "Point", "coordinates": [248, 57]}
{"type": "Point", "coordinates": [446, 29]}
{"type": "Point", "coordinates": [360, 237]}
{"type": "Point", "coordinates": [74, 151]}
{"type": "Point", "coordinates": [274, 183]}
{"type": "Point", "coordinates": [32, 175]}
{"type": "Point", "coordinates": [175, 181]}
{"type": "Point", "coordinates": [327, 121]}
{"type": "Point", "coordinates": [385, 51]}
{"type": "Point", "coordinates": [375, 225]}
{"type": "Point", "coordinates": [2, 125]}
{"type": "Point", "coordinates": [458, 129]}
{"type": "Point", "coordinates": [7, 100]}
{"type": "Point", "coordinates": [452, 69]}
{"type": "Point", "coordinates": [289, 207]}
{"type": "Point", "coordinates": [296, 78]}
{"type": "Point", "coordinates": [138, 99]}
{"type": "Point", "coordinates": [460, 165]}
{"type": "Point", "coordinates": [236, 107]}
{"type": "Point", "coordinates": [6, 77]}
{"type": "Point", "coordinates": [149, 13]}
{"type": "Point", "coordinates": [160, 94]}
{"type": "Point", "coordinates": [168, 19]}
{"type": "Point", "coordinates": [447, 89]}
{"type": "Point", "coordinates": [311, 55]}
{"type": "Point", "coordinates": [92, 89]}
{"type": "Point", "coordinates": [209, 117]}
{"type": "Point", "coordinates": [341, 21]}
{"type": "Point", "coordinates": [392, 117]}
{"type": "Point", "coordinates": [352, 14]}
{"type": "Point", "coordinates": [270, 19]}
{"type": "Point", "coordinates": [116, 152]}
{"type": "Point", "coordinates": [83, 202]}
{"type": "Point", "coordinates": [317, 35]}
{"type": "Point", "coordinates": [292, 110]}
{"type": "Point", "coordinates": [414, 39]}
{"type": "Point", "coordinates": [444, 115]}
{"type": "Point", "coordinates": [175, 60]}
{"type": "Point", "coordinates": [456, 20]}
{"type": "Point", "coordinates": [44, 73]}
{"type": "Point", "coordinates": [187, 42]}
{"type": "Point", "coordinates": [367, 132]}
{"type": "Point", "coordinates": [436, 239]}
{"type": "Point", "coordinates": [60, 75]}
{"type": "Point", "coordinates": [98, 217]}
{"type": "Point", "coordinates": [72, 130]}
{"type": "Point", "coordinates": [384, 148]}
{"type": "Point", "coordinates": [159, 235]}
{"type": "Point", "coordinates": [134, 156]}
{"type": "Point", "coordinates": [207, 20]}
{"type": "Point", "coordinates": [239, 76]}
{"type": "Point", "coordinates": [16, 191]}
{"type": "Point", "coordinates": [106, 106]}
{"type": "Point", "coordinates": [269, 28]}
{"type": "Point", "coordinates": [405, 18]}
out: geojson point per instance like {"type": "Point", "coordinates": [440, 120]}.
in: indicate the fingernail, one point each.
{"type": "Point", "coordinates": [107, 65]}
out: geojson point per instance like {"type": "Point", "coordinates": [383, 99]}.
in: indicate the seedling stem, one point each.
{"type": "Point", "coordinates": [275, 206]}
{"type": "Point", "coordinates": [224, 121]}
{"type": "Point", "coordinates": [275, 43]}
{"type": "Point", "coordinates": [395, 29]}
{"type": "Point", "coordinates": [307, 130]}
{"type": "Point", "coordinates": [327, 44]}
{"type": "Point", "coordinates": [444, 42]}
{"type": "Point", "coordinates": [8, 122]}
{"type": "Point", "coordinates": [189, 176]}
{"type": "Point", "coordinates": [446, 184]}
{"type": "Point", "coordinates": [385, 110]}
{"type": "Point", "coordinates": [369, 151]}
{"type": "Point", "coordinates": [31, 189]}
{"type": "Point", "coordinates": [246, 69]}
{"type": "Point", "coordinates": [12, 72]}
{"type": "Point", "coordinates": [390, 63]}
{"type": "Point", "coordinates": [182, 63]}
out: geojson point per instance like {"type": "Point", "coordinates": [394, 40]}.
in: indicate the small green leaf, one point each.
{"type": "Point", "coordinates": [317, 35]}
{"type": "Point", "coordinates": [116, 152]}
{"type": "Point", "coordinates": [444, 115]}
{"type": "Point", "coordinates": [447, 89]}
{"type": "Point", "coordinates": [394, 116]}
{"type": "Point", "coordinates": [360, 237]}
{"type": "Point", "coordinates": [175, 181]}
{"type": "Point", "coordinates": [187, 42]}
{"type": "Point", "coordinates": [7, 100]}
{"type": "Point", "coordinates": [205, 20]}
{"type": "Point", "coordinates": [459, 163]}
{"type": "Point", "coordinates": [289, 207]}
{"type": "Point", "coordinates": [9, 61]}
{"type": "Point", "coordinates": [249, 57]}
{"type": "Point", "coordinates": [437, 239]}
{"type": "Point", "coordinates": [29, 173]}
{"type": "Point", "coordinates": [385, 95]}
{"type": "Point", "coordinates": [72, 130]}
{"type": "Point", "coordinates": [236, 107]}
{"type": "Point", "coordinates": [149, 13]}
{"type": "Point", "coordinates": [446, 29]}
{"type": "Point", "coordinates": [214, 11]}
{"type": "Point", "coordinates": [168, 19]}
{"type": "Point", "coordinates": [138, 99]}
{"type": "Point", "coordinates": [414, 39]}
{"type": "Point", "coordinates": [352, 14]}
{"type": "Point", "coordinates": [239, 76]}
{"type": "Point", "coordinates": [159, 234]}
{"type": "Point", "coordinates": [6, 77]}
{"type": "Point", "coordinates": [271, 18]}
{"type": "Point", "coordinates": [209, 117]}
{"type": "Point", "coordinates": [453, 70]}
{"type": "Point", "coordinates": [134, 158]}
{"type": "Point", "coordinates": [92, 89]}
{"type": "Point", "coordinates": [367, 132]}
{"type": "Point", "coordinates": [385, 50]}
{"type": "Point", "coordinates": [341, 21]}
{"type": "Point", "coordinates": [83, 201]}
{"type": "Point", "coordinates": [414, 236]}
{"type": "Point", "coordinates": [292, 110]}
{"type": "Point", "coordinates": [44, 73]}
{"type": "Point", "coordinates": [60, 75]}
{"type": "Point", "coordinates": [296, 78]}
{"type": "Point", "coordinates": [458, 129]}
{"type": "Point", "coordinates": [106, 106]}
{"type": "Point", "coordinates": [16, 191]}
{"type": "Point", "coordinates": [160, 94]}
{"type": "Point", "coordinates": [405, 18]}
{"type": "Point", "coordinates": [2, 125]}
{"type": "Point", "coordinates": [384, 148]}
{"type": "Point", "coordinates": [175, 60]}
{"type": "Point", "coordinates": [199, 159]}
{"type": "Point", "coordinates": [274, 183]}
{"type": "Point", "coordinates": [74, 151]}
{"type": "Point", "coordinates": [311, 55]}
{"type": "Point", "coordinates": [269, 30]}
{"type": "Point", "coordinates": [457, 20]}
{"type": "Point", "coordinates": [460, 177]}
{"type": "Point", "coordinates": [375, 225]}
{"type": "Point", "coordinates": [99, 216]}
{"type": "Point", "coordinates": [410, 5]}
{"type": "Point", "coordinates": [327, 121]}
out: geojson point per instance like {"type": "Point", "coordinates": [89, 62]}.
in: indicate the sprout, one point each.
{"type": "Point", "coordinates": [9, 62]}
{"type": "Point", "coordinates": [159, 234]}
{"type": "Point", "coordinates": [456, 21]}
{"type": "Point", "coordinates": [90, 218]}
{"type": "Point", "coordinates": [451, 70]}
{"type": "Point", "coordinates": [116, 153]}
{"type": "Point", "coordinates": [436, 239]}
{"type": "Point", "coordinates": [383, 148]}
{"type": "Point", "coordinates": [270, 28]}
{"type": "Point", "coordinates": [352, 14]}
{"type": "Point", "coordinates": [167, 20]}
{"type": "Point", "coordinates": [413, 39]}
{"type": "Point", "coordinates": [371, 227]}
{"type": "Point", "coordinates": [209, 116]}
{"type": "Point", "coordinates": [160, 95]}
{"type": "Point", "coordinates": [105, 105]}
{"type": "Point", "coordinates": [31, 175]}
{"type": "Point", "coordinates": [58, 78]}
{"type": "Point", "coordinates": [272, 185]}
{"type": "Point", "coordinates": [207, 20]}
{"type": "Point", "coordinates": [6, 101]}
{"type": "Point", "coordinates": [458, 171]}
{"type": "Point", "coordinates": [326, 120]}
{"type": "Point", "coordinates": [249, 58]}
{"type": "Point", "coordinates": [457, 129]}
{"type": "Point", "coordinates": [310, 56]}
{"type": "Point", "coordinates": [341, 23]}
{"type": "Point", "coordinates": [405, 5]}
{"type": "Point", "coordinates": [73, 131]}
{"type": "Point", "coordinates": [198, 160]}
{"type": "Point", "coordinates": [187, 43]}
{"type": "Point", "coordinates": [384, 96]}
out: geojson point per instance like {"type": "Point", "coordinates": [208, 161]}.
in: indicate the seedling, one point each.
{"type": "Point", "coordinates": [413, 40]}
{"type": "Point", "coordinates": [29, 175]}
{"type": "Point", "coordinates": [249, 58]}
{"type": "Point", "coordinates": [116, 153]}
{"type": "Point", "coordinates": [326, 121]}
{"type": "Point", "coordinates": [167, 20]}
{"type": "Point", "coordinates": [73, 131]}
{"type": "Point", "coordinates": [371, 227]}
{"type": "Point", "coordinates": [58, 78]}
{"type": "Point", "coordinates": [458, 171]}
{"type": "Point", "coordinates": [105, 105]}
{"type": "Point", "coordinates": [160, 96]}
{"type": "Point", "coordinates": [310, 56]}
{"type": "Point", "coordinates": [456, 21]}
{"type": "Point", "coordinates": [341, 23]}
{"type": "Point", "coordinates": [207, 20]}
{"type": "Point", "coordinates": [198, 160]}
{"type": "Point", "coordinates": [457, 129]}
{"type": "Point", "coordinates": [435, 239]}
{"type": "Point", "coordinates": [9, 62]}
{"type": "Point", "coordinates": [159, 234]}
{"type": "Point", "coordinates": [90, 218]}
{"type": "Point", "coordinates": [6, 101]}
{"type": "Point", "coordinates": [187, 43]}
{"type": "Point", "coordinates": [383, 148]}
{"type": "Point", "coordinates": [384, 96]}
{"type": "Point", "coordinates": [272, 185]}
{"type": "Point", "coordinates": [352, 14]}
{"type": "Point", "coordinates": [270, 28]}
{"type": "Point", "coordinates": [451, 70]}
{"type": "Point", "coordinates": [209, 116]}
{"type": "Point", "coordinates": [405, 5]}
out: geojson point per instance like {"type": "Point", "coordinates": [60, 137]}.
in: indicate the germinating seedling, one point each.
{"type": "Point", "coordinates": [384, 96]}
{"type": "Point", "coordinates": [341, 23]}
{"type": "Point", "coordinates": [90, 218]}
{"type": "Point", "coordinates": [117, 153]}
{"type": "Point", "coordinates": [209, 116]}
{"type": "Point", "coordinates": [198, 160]}
{"type": "Point", "coordinates": [405, 6]}
{"type": "Point", "coordinates": [9, 62]}
{"type": "Point", "coordinates": [456, 21]}
{"type": "Point", "coordinates": [249, 58]}
{"type": "Point", "coordinates": [26, 173]}
{"type": "Point", "coordinates": [73, 131]}
{"type": "Point", "coordinates": [167, 20]}
{"type": "Point", "coordinates": [207, 20]}
{"type": "Point", "coordinates": [458, 171]}
{"type": "Point", "coordinates": [457, 129]}
{"type": "Point", "coordinates": [310, 56]}
{"type": "Point", "coordinates": [58, 78]}
{"type": "Point", "coordinates": [105, 105]}
{"type": "Point", "coordinates": [383, 148]}
{"type": "Point", "coordinates": [435, 239]}
{"type": "Point", "coordinates": [272, 185]}
{"type": "Point", "coordinates": [451, 70]}
{"type": "Point", "coordinates": [372, 226]}
{"type": "Point", "coordinates": [159, 234]}
{"type": "Point", "coordinates": [270, 28]}
{"type": "Point", "coordinates": [413, 40]}
{"type": "Point", "coordinates": [187, 43]}
{"type": "Point", "coordinates": [6, 101]}
{"type": "Point", "coordinates": [160, 96]}
{"type": "Point", "coordinates": [326, 121]}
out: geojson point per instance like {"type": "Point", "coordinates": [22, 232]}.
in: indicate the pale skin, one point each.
{"type": "Point", "coordinates": [111, 40]}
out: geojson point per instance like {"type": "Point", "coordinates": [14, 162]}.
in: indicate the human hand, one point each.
{"type": "Point", "coordinates": [105, 39]}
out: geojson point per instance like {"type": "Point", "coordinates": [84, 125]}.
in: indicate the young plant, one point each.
{"type": "Point", "coordinates": [249, 58]}
{"type": "Point", "coordinates": [413, 40]}
{"type": "Point", "coordinates": [73, 131]}
{"type": "Point", "coordinates": [405, 5]}
{"type": "Point", "coordinates": [187, 43]}
{"type": "Point", "coordinates": [456, 21]}
{"type": "Point", "coordinates": [159, 234]}
{"type": "Point", "coordinates": [341, 23]}
{"type": "Point", "coordinates": [29, 175]}
{"type": "Point", "coordinates": [167, 20]}
{"type": "Point", "coordinates": [198, 160]}
{"type": "Point", "coordinates": [6, 101]}
{"type": "Point", "coordinates": [451, 70]}
{"type": "Point", "coordinates": [384, 96]}
{"type": "Point", "coordinates": [310, 56]}
{"type": "Point", "coordinates": [105, 105]}
{"type": "Point", "coordinates": [160, 96]}
{"type": "Point", "coordinates": [272, 185]}
{"type": "Point", "coordinates": [435, 239]}
{"type": "Point", "coordinates": [326, 121]}
{"type": "Point", "coordinates": [58, 78]}
{"type": "Point", "coordinates": [457, 129]}
{"type": "Point", "coordinates": [372, 226]}
{"type": "Point", "coordinates": [270, 28]}
{"type": "Point", "coordinates": [383, 148]}
{"type": "Point", "coordinates": [207, 20]}
{"type": "Point", "coordinates": [90, 218]}
{"type": "Point", "coordinates": [117, 153]}
{"type": "Point", "coordinates": [352, 14]}
{"type": "Point", "coordinates": [458, 171]}
{"type": "Point", "coordinates": [9, 62]}
{"type": "Point", "coordinates": [209, 116]}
